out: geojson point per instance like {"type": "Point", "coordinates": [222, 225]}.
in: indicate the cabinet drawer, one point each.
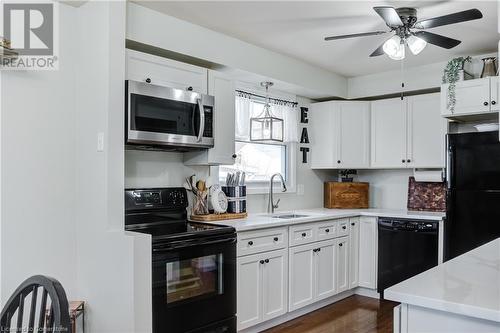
{"type": "Point", "coordinates": [343, 227]}
{"type": "Point", "coordinates": [251, 242]}
{"type": "Point", "coordinates": [326, 230]}
{"type": "Point", "coordinates": [302, 234]}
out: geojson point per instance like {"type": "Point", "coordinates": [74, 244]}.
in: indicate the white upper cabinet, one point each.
{"type": "Point", "coordinates": [165, 72]}
{"type": "Point", "coordinates": [472, 97]}
{"type": "Point", "coordinates": [408, 133]}
{"type": "Point", "coordinates": [340, 135]}
{"type": "Point", "coordinates": [324, 150]}
{"type": "Point", "coordinates": [388, 133]}
{"type": "Point", "coordinates": [426, 132]}
{"type": "Point", "coordinates": [222, 88]}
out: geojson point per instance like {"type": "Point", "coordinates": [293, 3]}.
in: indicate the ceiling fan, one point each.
{"type": "Point", "coordinates": [403, 21]}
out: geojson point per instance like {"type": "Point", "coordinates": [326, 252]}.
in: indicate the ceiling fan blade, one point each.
{"type": "Point", "coordinates": [466, 15]}
{"type": "Point", "coordinates": [437, 40]}
{"type": "Point", "coordinates": [363, 34]}
{"type": "Point", "coordinates": [389, 15]}
{"type": "Point", "coordinates": [379, 51]}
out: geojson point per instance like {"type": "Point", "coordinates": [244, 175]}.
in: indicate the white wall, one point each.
{"type": "Point", "coordinates": [388, 188]}
{"type": "Point", "coordinates": [38, 176]}
{"type": "Point", "coordinates": [107, 264]}
{"type": "Point", "coordinates": [154, 28]}
{"type": "Point", "coordinates": [415, 78]}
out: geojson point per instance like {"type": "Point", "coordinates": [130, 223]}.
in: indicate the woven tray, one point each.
{"type": "Point", "coordinates": [218, 217]}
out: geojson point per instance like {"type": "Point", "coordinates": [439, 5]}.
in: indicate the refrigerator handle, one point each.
{"type": "Point", "coordinates": [449, 158]}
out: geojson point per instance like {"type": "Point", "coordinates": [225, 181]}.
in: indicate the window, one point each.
{"type": "Point", "coordinates": [258, 160]}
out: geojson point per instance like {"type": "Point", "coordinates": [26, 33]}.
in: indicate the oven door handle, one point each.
{"type": "Point", "coordinates": [202, 120]}
{"type": "Point", "coordinates": [184, 244]}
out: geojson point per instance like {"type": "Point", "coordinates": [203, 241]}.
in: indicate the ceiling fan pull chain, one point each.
{"type": "Point", "coordinates": [402, 78]}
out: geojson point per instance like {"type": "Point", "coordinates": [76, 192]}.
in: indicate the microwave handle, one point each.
{"type": "Point", "coordinates": [202, 120]}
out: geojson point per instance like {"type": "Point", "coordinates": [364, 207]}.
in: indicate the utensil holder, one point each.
{"type": "Point", "coordinates": [200, 203]}
{"type": "Point", "coordinates": [236, 198]}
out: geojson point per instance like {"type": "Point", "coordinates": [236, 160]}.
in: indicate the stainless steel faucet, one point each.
{"type": "Point", "coordinates": [271, 206]}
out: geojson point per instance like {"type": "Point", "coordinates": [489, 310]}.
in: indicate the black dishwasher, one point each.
{"type": "Point", "coordinates": [405, 248]}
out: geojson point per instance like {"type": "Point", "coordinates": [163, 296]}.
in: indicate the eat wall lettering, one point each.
{"type": "Point", "coordinates": [304, 137]}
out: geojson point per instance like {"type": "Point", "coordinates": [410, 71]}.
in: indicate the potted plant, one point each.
{"type": "Point", "coordinates": [453, 72]}
{"type": "Point", "coordinates": [345, 175]}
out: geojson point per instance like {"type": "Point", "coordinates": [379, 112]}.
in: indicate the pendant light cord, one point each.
{"type": "Point", "coordinates": [402, 78]}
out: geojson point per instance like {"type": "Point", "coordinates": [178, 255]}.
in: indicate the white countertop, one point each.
{"type": "Point", "coordinates": [261, 221]}
{"type": "Point", "coordinates": [468, 285]}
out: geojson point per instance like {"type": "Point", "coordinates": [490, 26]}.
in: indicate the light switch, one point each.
{"type": "Point", "coordinates": [100, 142]}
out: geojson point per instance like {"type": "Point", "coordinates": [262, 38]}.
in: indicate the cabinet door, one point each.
{"type": "Point", "coordinates": [165, 72]}
{"type": "Point", "coordinates": [368, 251]}
{"type": "Point", "coordinates": [222, 88]}
{"type": "Point", "coordinates": [275, 284]}
{"type": "Point", "coordinates": [249, 290]}
{"type": "Point", "coordinates": [426, 132]}
{"type": "Point", "coordinates": [494, 87]}
{"type": "Point", "coordinates": [301, 276]}
{"type": "Point", "coordinates": [354, 134]}
{"type": "Point", "coordinates": [388, 133]}
{"type": "Point", "coordinates": [342, 264]}
{"type": "Point", "coordinates": [472, 96]}
{"type": "Point", "coordinates": [353, 252]}
{"type": "Point", "coordinates": [325, 265]}
{"type": "Point", "coordinates": [323, 137]}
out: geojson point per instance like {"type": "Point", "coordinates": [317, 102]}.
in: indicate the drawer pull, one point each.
{"type": "Point", "coordinates": [327, 230]}
{"type": "Point", "coordinates": [148, 80]}
{"type": "Point", "coordinates": [485, 103]}
{"type": "Point", "coordinates": [304, 234]}
{"type": "Point", "coordinates": [344, 227]}
{"type": "Point", "coordinates": [189, 88]}
{"type": "Point", "coordinates": [266, 261]}
{"type": "Point", "coordinates": [353, 223]}
{"type": "Point", "coordinates": [275, 239]}
{"type": "Point", "coordinates": [340, 244]}
{"type": "Point", "coordinates": [250, 243]}
{"type": "Point", "coordinates": [493, 102]}
{"type": "Point", "coordinates": [262, 262]}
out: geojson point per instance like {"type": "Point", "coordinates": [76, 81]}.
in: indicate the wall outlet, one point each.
{"type": "Point", "coordinates": [100, 142]}
{"type": "Point", "coordinates": [300, 189]}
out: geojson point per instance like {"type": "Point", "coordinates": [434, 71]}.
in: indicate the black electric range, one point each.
{"type": "Point", "coordinates": [194, 264]}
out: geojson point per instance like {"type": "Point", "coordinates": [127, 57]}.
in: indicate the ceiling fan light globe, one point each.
{"type": "Point", "coordinates": [394, 48]}
{"type": "Point", "coordinates": [416, 45]}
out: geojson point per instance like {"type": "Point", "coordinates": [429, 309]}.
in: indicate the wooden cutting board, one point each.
{"type": "Point", "coordinates": [218, 217]}
{"type": "Point", "coordinates": [348, 195]}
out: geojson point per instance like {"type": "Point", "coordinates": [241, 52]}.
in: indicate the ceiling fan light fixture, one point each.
{"type": "Point", "coordinates": [394, 47]}
{"type": "Point", "coordinates": [415, 44]}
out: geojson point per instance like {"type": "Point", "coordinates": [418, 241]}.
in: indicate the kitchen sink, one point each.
{"type": "Point", "coordinates": [288, 216]}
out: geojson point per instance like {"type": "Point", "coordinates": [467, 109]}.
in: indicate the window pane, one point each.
{"type": "Point", "coordinates": [258, 161]}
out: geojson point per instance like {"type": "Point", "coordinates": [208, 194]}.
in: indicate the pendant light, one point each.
{"type": "Point", "coordinates": [394, 47]}
{"type": "Point", "coordinates": [415, 44]}
{"type": "Point", "coordinates": [266, 127]}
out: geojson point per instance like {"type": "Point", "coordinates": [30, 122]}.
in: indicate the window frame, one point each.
{"type": "Point", "coordinates": [262, 187]}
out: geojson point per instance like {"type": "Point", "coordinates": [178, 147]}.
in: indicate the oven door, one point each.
{"type": "Point", "coordinates": [194, 284]}
{"type": "Point", "coordinates": [162, 116]}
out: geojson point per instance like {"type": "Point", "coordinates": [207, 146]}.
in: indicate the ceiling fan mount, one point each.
{"type": "Point", "coordinates": [403, 22]}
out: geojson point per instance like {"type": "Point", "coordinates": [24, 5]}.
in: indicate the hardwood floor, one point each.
{"type": "Point", "coordinates": [355, 314]}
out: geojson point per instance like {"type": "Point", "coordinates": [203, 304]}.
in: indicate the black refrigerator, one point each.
{"type": "Point", "coordinates": [473, 192]}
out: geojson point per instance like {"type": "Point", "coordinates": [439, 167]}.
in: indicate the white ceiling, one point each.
{"type": "Point", "coordinates": [297, 29]}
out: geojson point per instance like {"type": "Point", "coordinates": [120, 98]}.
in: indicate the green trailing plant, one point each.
{"type": "Point", "coordinates": [451, 76]}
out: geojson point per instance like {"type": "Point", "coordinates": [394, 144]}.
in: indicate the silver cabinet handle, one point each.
{"type": "Point", "coordinates": [202, 120]}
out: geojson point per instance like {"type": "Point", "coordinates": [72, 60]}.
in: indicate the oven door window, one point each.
{"type": "Point", "coordinates": [160, 115]}
{"type": "Point", "coordinates": [194, 278]}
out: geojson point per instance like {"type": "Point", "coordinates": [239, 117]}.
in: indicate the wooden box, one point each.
{"type": "Point", "coordinates": [346, 195]}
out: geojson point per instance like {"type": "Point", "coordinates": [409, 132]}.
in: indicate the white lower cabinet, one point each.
{"type": "Point", "coordinates": [320, 260]}
{"type": "Point", "coordinates": [368, 252]}
{"type": "Point", "coordinates": [353, 252]}
{"type": "Point", "coordinates": [342, 264]}
{"type": "Point", "coordinates": [262, 287]}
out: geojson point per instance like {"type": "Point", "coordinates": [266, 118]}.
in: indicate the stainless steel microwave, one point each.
{"type": "Point", "coordinates": [167, 118]}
